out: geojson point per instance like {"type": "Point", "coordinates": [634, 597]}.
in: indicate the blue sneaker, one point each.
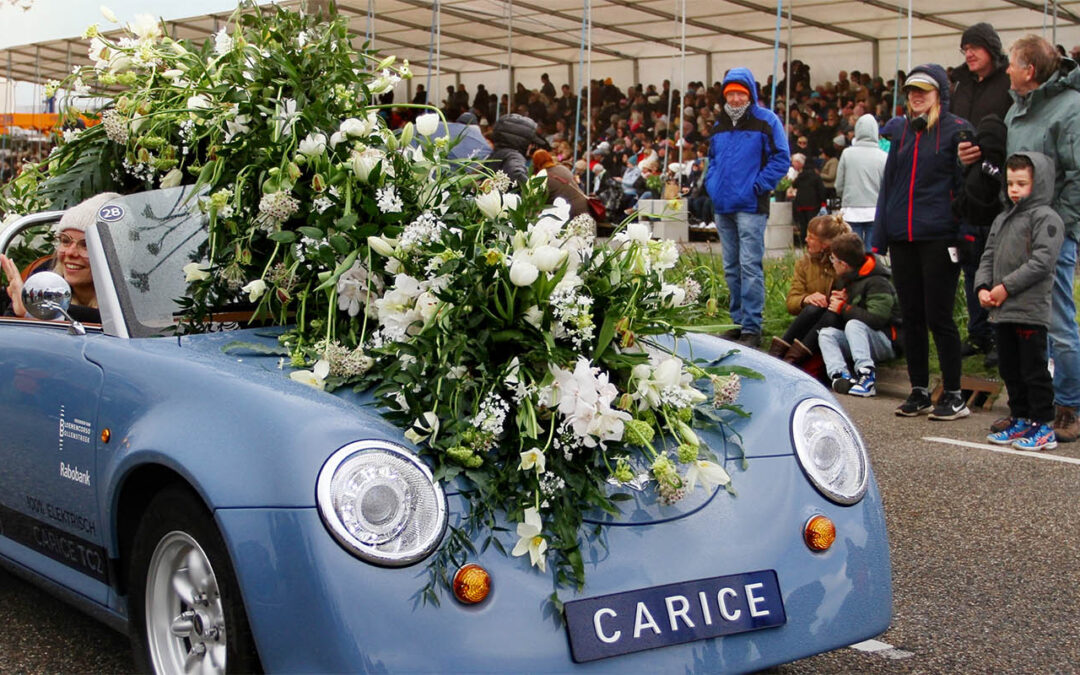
{"type": "Point", "coordinates": [864, 386]}
{"type": "Point", "coordinates": [1018, 427]}
{"type": "Point", "coordinates": [1038, 437]}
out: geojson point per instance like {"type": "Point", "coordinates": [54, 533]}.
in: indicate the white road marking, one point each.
{"type": "Point", "coordinates": [1007, 450]}
{"type": "Point", "coordinates": [871, 646]}
{"type": "Point", "coordinates": [879, 648]}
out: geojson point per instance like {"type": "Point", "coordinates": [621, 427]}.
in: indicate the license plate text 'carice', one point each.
{"type": "Point", "coordinates": [646, 618]}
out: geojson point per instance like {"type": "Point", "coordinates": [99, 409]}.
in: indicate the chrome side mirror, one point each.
{"type": "Point", "coordinates": [47, 296]}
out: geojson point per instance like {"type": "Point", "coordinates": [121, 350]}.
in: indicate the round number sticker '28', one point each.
{"type": "Point", "coordinates": [111, 213]}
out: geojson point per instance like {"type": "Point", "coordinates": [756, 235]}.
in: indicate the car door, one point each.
{"type": "Point", "coordinates": [49, 513]}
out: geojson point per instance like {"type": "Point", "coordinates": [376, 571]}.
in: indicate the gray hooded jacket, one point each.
{"type": "Point", "coordinates": [861, 166]}
{"type": "Point", "coordinates": [1022, 250]}
{"type": "Point", "coordinates": [1046, 121]}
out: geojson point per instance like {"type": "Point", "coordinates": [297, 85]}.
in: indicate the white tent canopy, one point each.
{"type": "Point", "coordinates": [632, 40]}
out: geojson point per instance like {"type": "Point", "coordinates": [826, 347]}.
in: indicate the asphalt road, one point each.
{"type": "Point", "coordinates": [985, 551]}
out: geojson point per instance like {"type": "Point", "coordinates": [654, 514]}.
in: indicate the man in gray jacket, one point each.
{"type": "Point", "coordinates": [858, 178]}
{"type": "Point", "coordinates": [1043, 118]}
{"type": "Point", "coordinates": [1013, 283]}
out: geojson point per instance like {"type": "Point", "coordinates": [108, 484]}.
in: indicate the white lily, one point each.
{"type": "Point", "coordinates": [196, 271]}
{"type": "Point", "coordinates": [254, 289]}
{"type": "Point", "coordinates": [316, 377]}
{"type": "Point", "coordinates": [709, 473]}
{"type": "Point", "coordinates": [533, 459]}
{"type": "Point", "coordinates": [672, 295]}
{"type": "Point", "coordinates": [427, 124]}
{"type": "Point", "coordinates": [530, 541]}
{"type": "Point", "coordinates": [198, 102]}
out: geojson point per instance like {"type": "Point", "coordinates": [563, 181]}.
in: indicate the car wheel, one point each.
{"type": "Point", "coordinates": [186, 610]}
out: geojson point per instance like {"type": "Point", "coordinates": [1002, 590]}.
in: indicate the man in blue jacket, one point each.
{"type": "Point", "coordinates": [748, 155]}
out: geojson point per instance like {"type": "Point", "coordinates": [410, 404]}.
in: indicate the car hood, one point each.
{"type": "Point", "coordinates": [259, 351]}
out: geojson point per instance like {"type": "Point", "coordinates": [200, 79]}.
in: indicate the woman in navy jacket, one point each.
{"type": "Point", "coordinates": [914, 222]}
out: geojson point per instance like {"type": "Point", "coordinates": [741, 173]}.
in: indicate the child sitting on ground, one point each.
{"type": "Point", "coordinates": [869, 313]}
{"type": "Point", "coordinates": [1014, 281]}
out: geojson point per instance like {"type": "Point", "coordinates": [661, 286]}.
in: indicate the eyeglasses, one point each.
{"type": "Point", "coordinates": [68, 242]}
{"type": "Point", "coordinates": [968, 49]}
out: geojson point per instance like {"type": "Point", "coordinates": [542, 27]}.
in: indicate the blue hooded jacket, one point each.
{"type": "Point", "coordinates": [922, 175]}
{"type": "Point", "coordinates": [748, 159]}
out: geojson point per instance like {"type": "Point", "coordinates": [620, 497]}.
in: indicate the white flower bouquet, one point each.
{"type": "Point", "coordinates": [525, 360]}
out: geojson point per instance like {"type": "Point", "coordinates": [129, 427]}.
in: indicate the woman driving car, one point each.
{"type": "Point", "coordinates": [71, 261]}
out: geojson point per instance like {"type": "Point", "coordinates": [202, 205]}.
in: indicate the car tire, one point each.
{"type": "Point", "coordinates": [185, 606]}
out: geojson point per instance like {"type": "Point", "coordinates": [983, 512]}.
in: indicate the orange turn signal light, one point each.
{"type": "Point", "coordinates": [472, 584]}
{"type": "Point", "coordinates": [819, 533]}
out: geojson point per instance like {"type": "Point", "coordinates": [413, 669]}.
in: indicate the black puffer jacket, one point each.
{"type": "Point", "coordinates": [512, 136]}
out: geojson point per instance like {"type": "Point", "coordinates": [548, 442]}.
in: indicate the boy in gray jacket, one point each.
{"type": "Point", "coordinates": [1013, 282]}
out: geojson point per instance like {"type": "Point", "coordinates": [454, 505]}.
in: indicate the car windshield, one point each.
{"type": "Point", "coordinates": [147, 239]}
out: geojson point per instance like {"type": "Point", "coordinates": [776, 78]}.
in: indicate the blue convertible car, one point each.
{"type": "Point", "coordinates": [232, 519]}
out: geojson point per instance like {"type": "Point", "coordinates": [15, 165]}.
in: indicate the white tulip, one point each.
{"type": "Point", "coordinates": [363, 163]}
{"type": "Point", "coordinates": [548, 258]}
{"type": "Point", "coordinates": [427, 124]}
{"type": "Point", "coordinates": [523, 272]}
{"type": "Point", "coordinates": [313, 145]}
{"type": "Point", "coordinates": [490, 203]}
{"type": "Point", "coordinates": [510, 201]}
{"type": "Point", "coordinates": [109, 14]}
{"type": "Point", "coordinates": [381, 246]}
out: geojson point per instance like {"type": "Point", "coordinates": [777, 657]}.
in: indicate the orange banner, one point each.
{"type": "Point", "coordinates": [44, 122]}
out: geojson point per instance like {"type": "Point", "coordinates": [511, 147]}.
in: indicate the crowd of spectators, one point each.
{"type": "Point", "coordinates": [12, 159]}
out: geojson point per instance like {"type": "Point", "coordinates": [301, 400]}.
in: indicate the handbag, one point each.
{"type": "Point", "coordinates": [597, 209]}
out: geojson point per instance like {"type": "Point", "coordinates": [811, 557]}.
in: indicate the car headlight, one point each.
{"type": "Point", "coordinates": [830, 451]}
{"type": "Point", "coordinates": [381, 503]}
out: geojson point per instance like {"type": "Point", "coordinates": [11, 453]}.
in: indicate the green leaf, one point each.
{"type": "Point", "coordinates": [607, 331]}
{"type": "Point", "coordinates": [284, 236]}
{"type": "Point", "coordinates": [340, 244]}
{"type": "Point", "coordinates": [311, 232]}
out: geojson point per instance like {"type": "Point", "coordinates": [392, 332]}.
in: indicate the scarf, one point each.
{"type": "Point", "coordinates": [735, 113]}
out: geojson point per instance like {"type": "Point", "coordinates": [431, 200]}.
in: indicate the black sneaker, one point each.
{"type": "Point", "coordinates": [842, 382]}
{"type": "Point", "coordinates": [950, 407]}
{"type": "Point", "coordinates": [731, 334]}
{"type": "Point", "coordinates": [968, 348]}
{"type": "Point", "coordinates": [917, 403]}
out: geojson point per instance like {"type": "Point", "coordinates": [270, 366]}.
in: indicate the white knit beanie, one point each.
{"type": "Point", "coordinates": [84, 214]}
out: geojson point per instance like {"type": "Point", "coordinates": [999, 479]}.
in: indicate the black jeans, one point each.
{"type": "Point", "coordinates": [980, 332]}
{"type": "Point", "coordinates": [808, 323]}
{"type": "Point", "coordinates": [1022, 363]}
{"type": "Point", "coordinates": [926, 280]}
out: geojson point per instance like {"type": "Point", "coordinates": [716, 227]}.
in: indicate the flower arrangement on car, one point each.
{"type": "Point", "coordinates": [519, 354]}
